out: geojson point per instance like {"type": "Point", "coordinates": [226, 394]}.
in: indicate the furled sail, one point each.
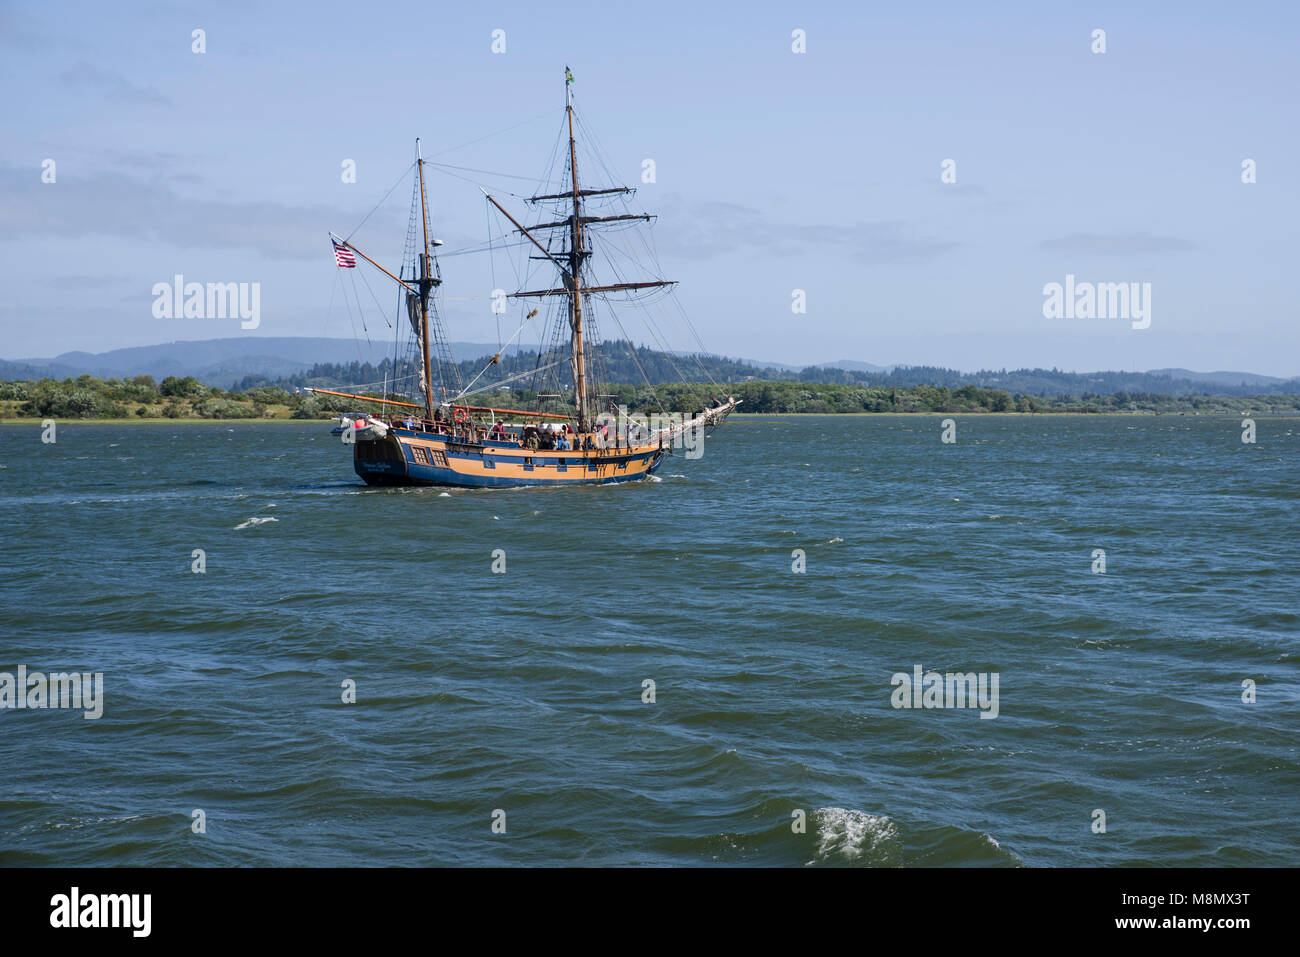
{"type": "Point", "coordinates": [414, 313]}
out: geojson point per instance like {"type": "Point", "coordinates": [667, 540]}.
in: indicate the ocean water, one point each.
{"type": "Point", "coordinates": [518, 696]}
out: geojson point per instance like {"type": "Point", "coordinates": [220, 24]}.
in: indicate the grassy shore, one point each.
{"type": "Point", "coordinates": [137, 420]}
{"type": "Point", "coordinates": [736, 417]}
{"type": "Point", "coordinates": [141, 399]}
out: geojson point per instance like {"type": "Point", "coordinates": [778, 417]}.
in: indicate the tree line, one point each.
{"type": "Point", "coordinates": [89, 397]}
{"type": "Point", "coordinates": [621, 361]}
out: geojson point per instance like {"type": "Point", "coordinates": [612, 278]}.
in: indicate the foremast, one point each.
{"type": "Point", "coordinates": [426, 279]}
{"type": "Point", "coordinates": [427, 282]}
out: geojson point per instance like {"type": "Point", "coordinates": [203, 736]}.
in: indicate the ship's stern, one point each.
{"type": "Point", "coordinates": [380, 461]}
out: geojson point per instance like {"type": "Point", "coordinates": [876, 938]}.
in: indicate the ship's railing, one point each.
{"type": "Point", "coordinates": [642, 437]}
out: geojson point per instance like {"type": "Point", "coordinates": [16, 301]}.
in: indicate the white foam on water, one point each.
{"type": "Point", "coordinates": [254, 522]}
{"type": "Point", "coordinates": [835, 541]}
{"type": "Point", "coordinates": [444, 495]}
{"type": "Point", "coordinates": [654, 478]}
{"type": "Point", "coordinates": [844, 834]}
{"type": "Point", "coordinates": [80, 822]}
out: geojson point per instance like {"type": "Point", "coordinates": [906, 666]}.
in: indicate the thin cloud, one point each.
{"type": "Point", "coordinates": [1117, 244]}
{"type": "Point", "coordinates": [83, 282]}
{"type": "Point", "coordinates": [112, 86]}
{"type": "Point", "coordinates": [712, 228]}
{"type": "Point", "coordinates": [17, 30]}
{"type": "Point", "coordinates": [115, 204]}
{"type": "Point", "coordinates": [159, 164]}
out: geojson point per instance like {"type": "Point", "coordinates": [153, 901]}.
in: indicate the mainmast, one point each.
{"type": "Point", "coordinates": [571, 272]}
{"type": "Point", "coordinates": [427, 282]}
{"type": "Point", "coordinates": [576, 254]}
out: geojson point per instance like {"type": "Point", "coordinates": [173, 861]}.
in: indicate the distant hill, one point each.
{"type": "Point", "coordinates": [622, 363]}
{"type": "Point", "coordinates": [854, 366]}
{"type": "Point", "coordinates": [246, 362]}
{"type": "Point", "coordinates": [217, 362]}
{"type": "Point", "coordinates": [1220, 378]}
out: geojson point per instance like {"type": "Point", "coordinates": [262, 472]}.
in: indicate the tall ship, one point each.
{"type": "Point", "coordinates": [436, 435]}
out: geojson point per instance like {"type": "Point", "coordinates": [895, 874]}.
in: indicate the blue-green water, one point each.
{"type": "Point", "coordinates": [522, 691]}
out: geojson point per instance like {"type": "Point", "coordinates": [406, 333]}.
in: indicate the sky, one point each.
{"type": "Point", "coordinates": [775, 170]}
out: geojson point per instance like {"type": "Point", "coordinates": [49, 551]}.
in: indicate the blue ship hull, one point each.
{"type": "Point", "coordinates": [407, 457]}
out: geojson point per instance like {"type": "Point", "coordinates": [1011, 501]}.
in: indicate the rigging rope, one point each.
{"type": "Point", "coordinates": [379, 382]}
{"type": "Point", "coordinates": [349, 236]}
{"type": "Point", "coordinates": [377, 305]}
{"type": "Point", "coordinates": [452, 149]}
{"type": "Point", "coordinates": [471, 169]}
{"type": "Point", "coordinates": [500, 382]}
{"type": "Point", "coordinates": [360, 313]}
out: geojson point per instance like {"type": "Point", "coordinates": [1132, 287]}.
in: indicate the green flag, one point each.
{"type": "Point", "coordinates": [568, 75]}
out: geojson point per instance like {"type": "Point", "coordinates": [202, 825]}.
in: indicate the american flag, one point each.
{"type": "Point", "coordinates": [343, 256]}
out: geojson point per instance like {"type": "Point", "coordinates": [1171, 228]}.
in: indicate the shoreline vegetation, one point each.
{"type": "Point", "coordinates": [176, 399]}
{"type": "Point", "coordinates": [737, 418]}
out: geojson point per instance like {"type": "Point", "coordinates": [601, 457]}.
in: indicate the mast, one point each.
{"type": "Point", "coordinates": [572, 287]}
{"type": "Point", "coordinates": [576, 253]}
{"type": "Point", "coordinates": [427, 283]}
